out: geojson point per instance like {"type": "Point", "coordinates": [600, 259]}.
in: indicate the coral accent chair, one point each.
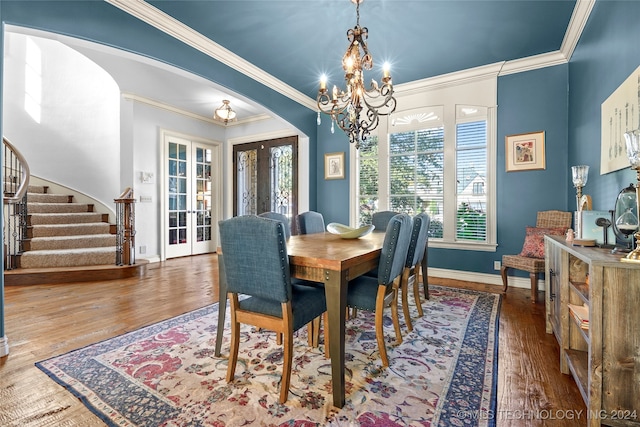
{"type": "Point", "coordinates": [531, 259]}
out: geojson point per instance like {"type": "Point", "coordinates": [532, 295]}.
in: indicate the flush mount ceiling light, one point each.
{"type": "Point", "coordinates": [357, 109]}
{"type": "Point", "coordinates": [224, 113]}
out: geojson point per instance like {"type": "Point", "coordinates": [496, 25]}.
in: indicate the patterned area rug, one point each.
{"type": "Point", "coordinates": [443, 373]}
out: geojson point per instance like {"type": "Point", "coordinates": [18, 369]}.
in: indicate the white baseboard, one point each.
{"type": "Point", "coordinates": [4, 346]}
{"type": "Point", "coordinates": [491, 279]}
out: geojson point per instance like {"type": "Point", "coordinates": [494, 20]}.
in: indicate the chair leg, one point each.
{"type": "Point", "coordinates": [534, 287]}
{"type": "Point", "coordinates": [394, 314]}
{"type": "Point", "coordinates": [286, 367]}
{"type": "Point", "coordinates": [425, 277]}
{"type": "Point", "coordinates": [313, 332]}
{"type": "Point", "coordinates": [416, 292]}
{"type": "Point", "coordinates": [379, 328]}
{"type": "Point", "coordinates": [505, 280]}
{"type": "Point", "coordinates": [325, 319]}
{"type": "Point", "coordinates": [235, 341]}
{"type": "Point", "coordinates": [404, 289]}
{"type": "Point", "coordinates": [287, 332]}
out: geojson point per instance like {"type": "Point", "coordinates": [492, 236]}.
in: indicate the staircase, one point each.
{"type": "Point", "coordinates": [61, 233]}
{"type": "Point", "coordinates": [50, 239]}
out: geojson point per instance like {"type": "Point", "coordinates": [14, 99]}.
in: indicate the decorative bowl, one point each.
{"type": "Point", "coordinates": [346, 232]}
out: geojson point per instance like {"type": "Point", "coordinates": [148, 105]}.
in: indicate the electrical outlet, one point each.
{"type": "Point", "coordinates": [496, 265]}
{"type": "Point", "coordinates": [143, 249]}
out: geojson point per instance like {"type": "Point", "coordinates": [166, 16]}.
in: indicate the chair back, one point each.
{"type": "Point", "coordinates": [394, 249]}
{"type": "Point", "coordinates": [554, 219]}
{"type": "Point", "coordinates": [280, 217]}
{"type": "Point", "coordinates": [381, 219]}
{"type": "Point", "coordinates": [255, 257]}
{"type": "Point", "coordinates": [310, 222]}
{"type": "Point", "coordinates": [419, 239]}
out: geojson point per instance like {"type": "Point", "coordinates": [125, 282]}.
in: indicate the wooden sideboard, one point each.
{"type": "Point", "coordinates": [603, 355]}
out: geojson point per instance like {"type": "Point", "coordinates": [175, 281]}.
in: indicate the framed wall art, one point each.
{"type": "Point", "coordinates": [620, 113]}
{"type": "Point", "coordinates": [334, 165]}
{"type": "Point", "coordinates": [525, 151]}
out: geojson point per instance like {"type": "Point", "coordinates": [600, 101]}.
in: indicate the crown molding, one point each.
{"type": "Point", "coordinates": [579, 18]}
{"type": "Point", "coordinates": [533, 63]}
{"type": "Point", "coordinates": [455, 78]}
{"type": "Point", "coordinates": [176, 110]}
{"type": "Point", "coordinates": [176, 29]}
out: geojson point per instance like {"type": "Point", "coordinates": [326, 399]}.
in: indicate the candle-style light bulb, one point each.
{"type": "Point", "coordinates": [386, 70]}
{"type": "Point", "coordinates": [323, 82]}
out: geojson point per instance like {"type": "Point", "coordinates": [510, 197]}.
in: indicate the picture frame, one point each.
{"type": "Point", "coordinates": [615, 110]}
{"type": "Point", "coordinates": [334, 165]}
{"type": "Point", "coordinates": [525, 151]}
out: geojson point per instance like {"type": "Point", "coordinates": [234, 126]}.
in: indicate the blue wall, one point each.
{"type": "Point", "coordinates": [529, 102]}
{"type": "Point", "coordinates": [607, 53]}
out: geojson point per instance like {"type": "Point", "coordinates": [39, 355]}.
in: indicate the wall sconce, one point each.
{"type": "Point", "coordinates": [632, 139]}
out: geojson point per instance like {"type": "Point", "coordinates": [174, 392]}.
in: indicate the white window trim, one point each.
{"type": "Point", "coordinates": [470, 87]}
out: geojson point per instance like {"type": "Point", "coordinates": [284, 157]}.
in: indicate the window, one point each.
{"type": "Point", "coordinates": [471, 173]}
{"type": "Point", "coordinates": [437, 159]}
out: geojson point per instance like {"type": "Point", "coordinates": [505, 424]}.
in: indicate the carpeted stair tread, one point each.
{"type": "Point", "coordinates": [71, 242]}
{"type": "Point", "coordinates": [68, 257]}
{"type": "Point", "coordinates": [49, 230]}
{"type": "Point", "coordinates": [58, 207]}
{"type": "Point", "coordinates": [36, 189]}
{"type": "Point", "coordinates": [47, 198]}
{"type": "Point", "coordinates": [64, 218]}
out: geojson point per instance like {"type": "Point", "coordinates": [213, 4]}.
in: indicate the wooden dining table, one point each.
{"type": "Point", "coordinates": [326, 258]}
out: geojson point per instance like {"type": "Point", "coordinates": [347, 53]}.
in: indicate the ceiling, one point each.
{"type": "Point", "coordinates": [290, 44]}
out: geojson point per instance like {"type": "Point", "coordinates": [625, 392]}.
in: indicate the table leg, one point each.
{"type": "Point", "coordinates": [222, 304]}
{"type": "Point", "coordinates": [335, 287]}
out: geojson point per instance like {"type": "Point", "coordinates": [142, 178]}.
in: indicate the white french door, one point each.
{"type": "Point", "coordinates": [192, 198]}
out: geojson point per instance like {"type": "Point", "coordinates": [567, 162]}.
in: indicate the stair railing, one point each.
{"type": "Point", "coordinates": [15, 181]}
{"type": "Point", "coordinates": [125, 228]}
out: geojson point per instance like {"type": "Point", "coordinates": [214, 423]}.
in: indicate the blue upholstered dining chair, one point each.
{"type": "Point", "coordinates": [381, 219]}
{"type": "Point", "coordinates": [314, 330]}
{"type": "Point", "coordinates": [256, 264]}
{"type": "Point", "coordinates": [310, 222]}
{"type": "Point", "coordinates": [280, 217]}
{"type": "Point", "coordinates": [411, 273]}
{"type": "Point", "coordinates": [375, 293]}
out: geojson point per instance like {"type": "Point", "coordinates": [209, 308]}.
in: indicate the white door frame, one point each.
{"type": "Point", "coordinates": [216, 185]}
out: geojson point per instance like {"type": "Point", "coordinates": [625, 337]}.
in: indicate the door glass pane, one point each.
{"type": "Point", "coordinates": [281, 180]}
{"type": "Point", "coordinates": [177, 193]}
{"type": "Point", "coordinates": [247, 182]}
{"type": "Point", "coordinates": [202, 205]}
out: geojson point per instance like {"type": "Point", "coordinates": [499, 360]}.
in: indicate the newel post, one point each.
{"type": "Point", "coordinates": [125, 228]}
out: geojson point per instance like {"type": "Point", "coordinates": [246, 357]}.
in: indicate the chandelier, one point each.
{"type": "Point", "coordinates": [357, 110]}
{"type": "Point", "coordinates": [224, 113]}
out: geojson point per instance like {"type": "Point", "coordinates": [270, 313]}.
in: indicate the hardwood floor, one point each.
{"type": "Point", "coordinates": [43, 321]}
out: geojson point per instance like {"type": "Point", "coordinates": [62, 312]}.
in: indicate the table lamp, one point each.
{"type": "Point", "coordinates": [632, 139]}
{"type": "Point", "coordinates": [579, 174]}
